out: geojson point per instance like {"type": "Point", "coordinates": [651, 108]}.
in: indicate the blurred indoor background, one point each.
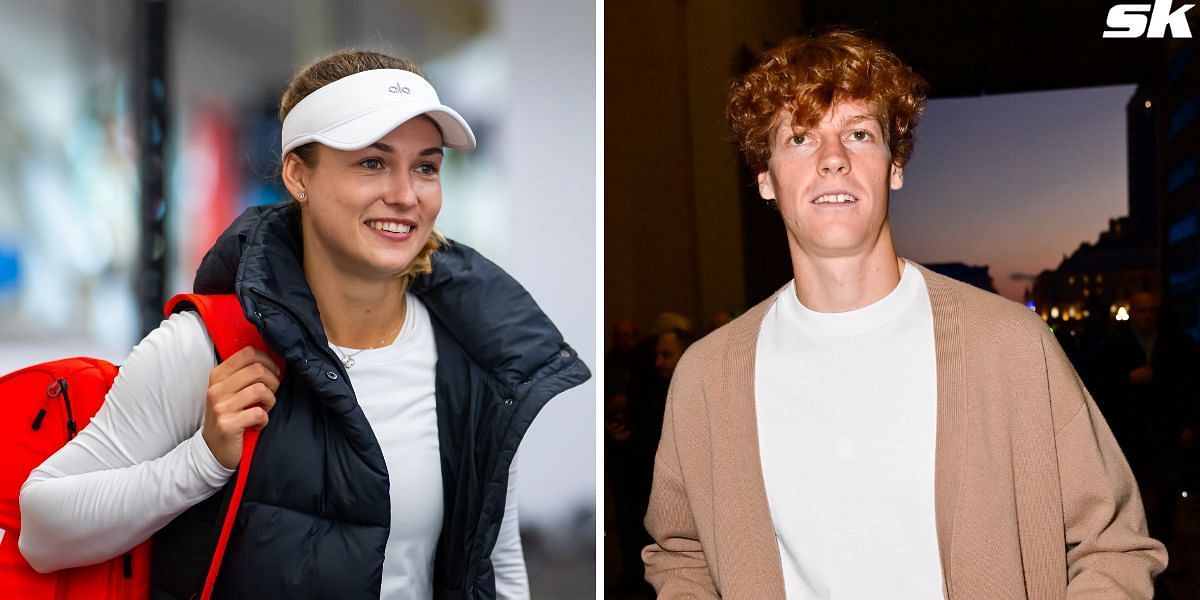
{"type": "Point", "coordinates": [522, 72]}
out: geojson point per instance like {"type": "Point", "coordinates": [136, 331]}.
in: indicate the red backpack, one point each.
{"type": "Point", "coordinates": [43, 407]}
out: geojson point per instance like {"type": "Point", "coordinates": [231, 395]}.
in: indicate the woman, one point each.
{"type": "Point", "coordinates": [414, 367]}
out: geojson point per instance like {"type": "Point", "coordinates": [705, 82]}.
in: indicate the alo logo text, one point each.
{"type": "Point", "coordinates": [399, 89]}
{"type": "Point", "coordinates": [1124, 20]}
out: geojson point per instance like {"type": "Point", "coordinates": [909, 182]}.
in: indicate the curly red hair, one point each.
{"type": "Point", "coordinates": [808, 75]}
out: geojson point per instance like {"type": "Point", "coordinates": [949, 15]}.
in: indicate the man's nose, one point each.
{"type": "Point", "coordinates": [833, 158]}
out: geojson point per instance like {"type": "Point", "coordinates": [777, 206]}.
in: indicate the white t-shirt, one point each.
{"type": "Point", "coordinates": [143, 461]}
{"type": "Point", "coordinates": [847, 420]}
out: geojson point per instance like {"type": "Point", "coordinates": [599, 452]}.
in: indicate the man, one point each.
{"type": "Point", "coordinates": [1148, 394]}
{"type": "Point", "coordinates": [876, 430]}
{"type": "Point", "coordinates": [621, 361]}
{"type": "Point", "coordinates": [669, 349]}
{"type": "Point", "coordinates": [652, 399]}
{"type": "Point", "coordinates": [633, 421]}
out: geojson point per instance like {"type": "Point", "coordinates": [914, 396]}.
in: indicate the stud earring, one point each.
{"type": "Point", "coordinates": [300, 196]}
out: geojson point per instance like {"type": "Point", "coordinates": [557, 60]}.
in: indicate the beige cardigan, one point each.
{"type": "Point", "coordinates": [1033, 497]}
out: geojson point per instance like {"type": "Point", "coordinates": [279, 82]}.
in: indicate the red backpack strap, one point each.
{"type": "Point", "coordinates": [226, 322]}
{"type": "Point", "coordinates": [230, 332]}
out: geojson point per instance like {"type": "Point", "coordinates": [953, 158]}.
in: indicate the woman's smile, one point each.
{"type": "Point", "coordinates": [399, 230]}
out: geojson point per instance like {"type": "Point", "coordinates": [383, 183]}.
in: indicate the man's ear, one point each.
{"type": "Point", "coordinates": [766, 187]}
{"type": "Point", "coordinates": [897, 176]}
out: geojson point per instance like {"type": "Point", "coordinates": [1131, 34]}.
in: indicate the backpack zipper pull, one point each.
{"type": "Point", "coordinates": [56, 389]}
{"type": "Point", "coordinates": [41, 414]}
{"type": "Point", "coordinates": [51, 393]}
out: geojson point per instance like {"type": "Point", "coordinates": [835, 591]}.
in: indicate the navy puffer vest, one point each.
{"type": "Point", "coordinates": [315, 515]}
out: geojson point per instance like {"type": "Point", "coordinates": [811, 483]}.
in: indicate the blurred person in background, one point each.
{"type": "Point", "coordinates": [627, 486]}
{"type": "Point", "coordinates": [652, 363]}
{"type": "Point", "coordinates": [620, 361]}
{"type": "Point", "coordinates": [633, 423]}
{"type": "Point", "coordinates": [625, 338]}
{"type": "Point", "coordinates": [648, 384]}
{"type": "Point", "coordinates": [1148, 391]}
{"type": "Point", "coordinates": [874, 429]}
{"type": "Point", "coordinates": [414, 368]}
{"type": "Point", "coordinates": [668, 350]}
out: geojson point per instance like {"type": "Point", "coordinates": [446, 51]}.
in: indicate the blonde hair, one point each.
{"type": "Point", "coordinates": [325, 71]}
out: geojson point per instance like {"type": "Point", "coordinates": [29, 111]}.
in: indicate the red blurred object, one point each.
{"type": "Point", "coordinates": [214, 189]}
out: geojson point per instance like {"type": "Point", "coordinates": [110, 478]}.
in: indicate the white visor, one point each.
{"type": "Point", "coordinates": [357, 111]}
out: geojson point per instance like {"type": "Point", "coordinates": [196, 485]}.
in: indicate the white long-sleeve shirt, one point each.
{"type": "Point", "coordinates": [142, 461]}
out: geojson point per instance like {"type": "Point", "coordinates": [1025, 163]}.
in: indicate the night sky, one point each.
{"type": "Point", "coordinates": [1013, 181]}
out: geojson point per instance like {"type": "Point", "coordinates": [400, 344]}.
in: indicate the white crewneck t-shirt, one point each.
{"type": "Point", "coordinates": [847, 420]}
{"type": "Point", "coordinates": [143, 461]}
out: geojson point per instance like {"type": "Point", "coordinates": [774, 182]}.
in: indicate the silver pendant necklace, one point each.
{"type": "Point", "coordinates": [348, 358]}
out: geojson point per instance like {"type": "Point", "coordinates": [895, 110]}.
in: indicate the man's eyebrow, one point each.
{"type": "Point", "coordinates": [860, 118]}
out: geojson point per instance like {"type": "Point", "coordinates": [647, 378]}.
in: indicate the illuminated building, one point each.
{"type": "Point", "coordinates": [1097, 279]}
